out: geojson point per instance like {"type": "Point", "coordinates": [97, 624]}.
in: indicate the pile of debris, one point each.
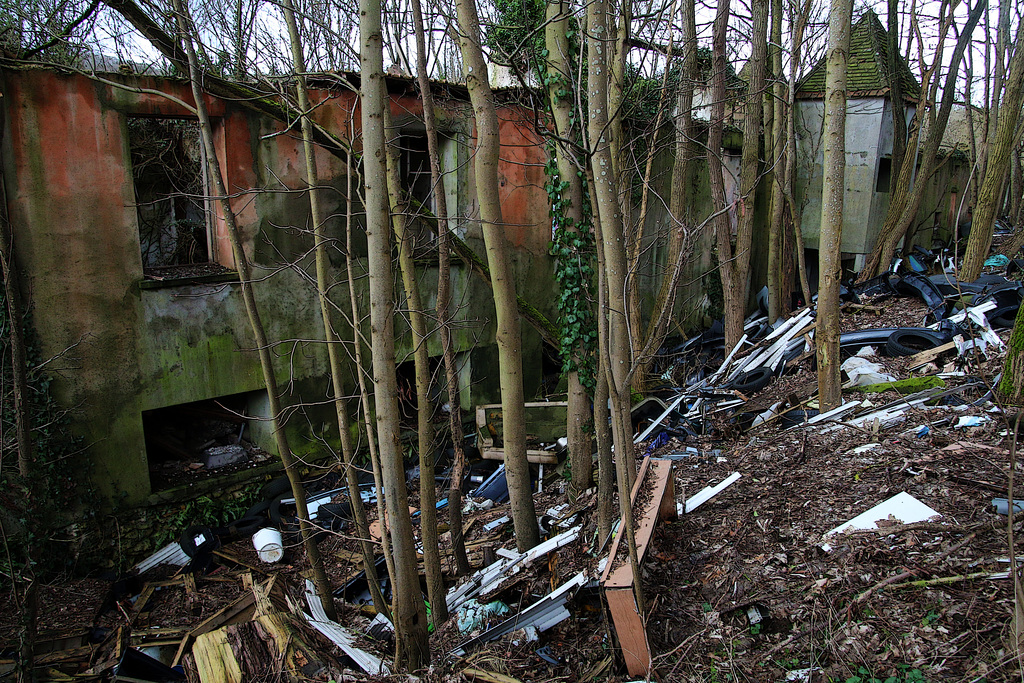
{"type": "Point", "coordinates": [776, 542]}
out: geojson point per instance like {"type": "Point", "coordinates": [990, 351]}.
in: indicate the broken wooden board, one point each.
{"type": "Point", "coordinates": [240, 610]}
{"type": "Point", "coordinates": [617, 580]}
{"type": "Point", "coordinates": [269, 645]}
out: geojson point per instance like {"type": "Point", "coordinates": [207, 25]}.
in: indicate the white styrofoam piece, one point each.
{"type": "Point", "coordinates": [902, 507]}
{"type": "Point", "coordinates": [709, 492]}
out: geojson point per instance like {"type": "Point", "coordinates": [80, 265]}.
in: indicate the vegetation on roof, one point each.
{"type": "Point", "coordinates": [866, 67]}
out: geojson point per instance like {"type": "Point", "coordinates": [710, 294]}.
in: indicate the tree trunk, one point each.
{"type": "Point", "coordinates": [323, 586]}
{"type": "Point", "coordinates": [412, 649]}
{"type": "Point", "coordinates": [989, 196]}
{"type": "Point", "coordinates": [904, 199]}
{"type": "Point", "coordinates": [737, 287]}
{"type": "Point", "coordinates": [331, 339]}
{"type": "Point", "coordinates": [716, 179]}
{"type": "Point", "coordinates": [778, 304]}
{"type": "Point", "coordinates": [421, 360]}
{"type": "Point", "coordinates": [795, 210]}
{"type": "Point", "coordinates": [509, 335]}
{"type": "Point", "coordinates": [610, 239]}
{"type": "Point", "coordinates": [826, 338]}
{"type": "Point", "coordinates": [570, 201]}
{"type": "Point", "coordinates": [361, 376]}
{"type": "Point", "coordinates": [680, 240]}
{"type": "Point", "coordinates": [443, 299]}
{"type": "Point", "coordinates": [899, 112]}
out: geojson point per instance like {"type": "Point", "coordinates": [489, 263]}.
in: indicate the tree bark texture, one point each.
{"type": "Point", "coordinates": [560, 92]}
{"type": "Point", "coordinates": [322, 284]}
{"type": "Point", "coordinates": [905, 199]}
{"type": "Point", "coordinates": [443, 309]}
{"type": "Point", "coordinates": [424, 407]}
{"type": "Point", "coordinates": [323, 587]}
{"type": "Point", "coordinates": [412, 649]}
{"type": "Point", "coordinates": [826, 338]}
{"type": "Point", "coordinates": [990, 194]}
{"type": "Point", "coordinates": [509, 334]}
{"type": "Point", "coordinates": [611, 240]}
{"type": "Point", "coordinates": [778, 304]}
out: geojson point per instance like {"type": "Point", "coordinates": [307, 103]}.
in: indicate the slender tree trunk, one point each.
{"type": "Point", "coordinates": [443, 299]}
{"type": "Point", "coordinates": [602, 417]}
{"type": "Point", "coordinates": [826, 338]}
{"type": "Point", "coordinates": [323, 586]}
{"type": "Point", "coordinates": [331, 339]}
{"type": "Point", "coordinates": [716, 179]}
{"type": "Point", "coordinates": [899, 112]}
{"type": "Point", "coordinates": [509, 334]}
{"type": "Point", "coordinates": [680, 240]}
{"type": "Point", "coordinates": [789, 175]}
{"type": "Point", "coordinates": [778, 304]}
{"type": "Point", "coordinates": [560, 96]}
{"type": "Point", "coordinates": [412, 649]}
{"type": "Point", "coordinates": [610, 239]}
{"type": "Point", "coordinates": [737, 287]}
{"type": "Point", "coordinates": [905, 200]}
{"type": "Point", "coordinates": [424, 407]}
{"type": "Point", "coordinates": [23, 437]}
{"type": "Point", "coordinates": [361, 375]}
{"type": "Point", "coordinates": [989, 196]}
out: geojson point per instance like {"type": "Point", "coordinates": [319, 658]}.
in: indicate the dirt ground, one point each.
{"type": "Point", "coordinates": [743, 588]}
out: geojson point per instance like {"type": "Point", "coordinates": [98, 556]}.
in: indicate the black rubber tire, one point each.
{"type": "Point", "coordinates": [1003, 318]}
{"type": "Point", "coordinates": [796, 417]}
{"type": "Point", "coordinates": [275, 487]}
{"type": "Point", "coordinates": [274, 510]}
{"type": "Point", "coordinates": [258, 510]}
{"type": "Point", "coordinates": [243, 528]}
{"type": "Point", "coordinates": [909, 341]}
{"type": "Point", "coordinates": [755, 380]}
{"type": "Point", "coordinates": [328, 512]}
{"type": "Point", "coordinates": [187, 541]}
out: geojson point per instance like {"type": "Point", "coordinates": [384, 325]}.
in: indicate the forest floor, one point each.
{"type": "Point", "coordinates": [743, 588]}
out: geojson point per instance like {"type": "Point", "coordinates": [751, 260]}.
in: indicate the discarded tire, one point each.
{"type": "Point", "coordinates": [1003, 318]}
{"type": "Point", "coordinates": [908, 341]}
{"type": "Point", "coordinates": [796, 417]}
{"type": "Point", "coordinates": [755, 380]}
{"type": "Point", "coordinates": [243, 527]}
{"type": "Point", "coordinates": [275, 487]}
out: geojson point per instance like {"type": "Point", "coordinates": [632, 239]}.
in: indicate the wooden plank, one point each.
{"type": "Point", "coordinates": [617, 581]}
{"type": "Point", "coordinates": [630, 630]}
{"type": "Point", "coordinates": [929, 355]}
{"type": "Point", "coordinates": [660, 506]}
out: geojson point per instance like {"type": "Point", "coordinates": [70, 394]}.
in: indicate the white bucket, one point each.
{"type": "Point", "coordinates": [268, 544]}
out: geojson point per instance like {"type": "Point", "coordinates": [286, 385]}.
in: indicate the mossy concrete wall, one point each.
{"type": "Point", "coordinates": [122, 346]}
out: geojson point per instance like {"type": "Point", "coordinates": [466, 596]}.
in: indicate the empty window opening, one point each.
{"type": "Point", "coordinates": [884, 179]}
{"type": "Point", "coordinates": [167, 170]}
{"type": "Point", "coordinates": [415, 169]}
{"type": "Point", "coordinates": [192, 441]}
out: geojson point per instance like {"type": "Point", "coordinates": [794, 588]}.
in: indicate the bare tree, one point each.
{"type": "Point", "coordinates": [320, 579]}
{"type": "Point", "coordinates": [412, 648]}
{"type": "Point", "coordinates": [833, 189]}
{"type": "Point", "coordinates": [509, 335]}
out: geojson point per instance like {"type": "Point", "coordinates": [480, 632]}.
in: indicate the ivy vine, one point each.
{"type": "Point", "coordinates": [573, 247]}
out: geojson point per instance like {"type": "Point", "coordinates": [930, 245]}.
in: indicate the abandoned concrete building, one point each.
{"type": "Point", "coordinates": [129, 278]}
{"type": "Point", "coordinates": [869, 144]}
{"type": "Point", "coordinates": [133, 292]}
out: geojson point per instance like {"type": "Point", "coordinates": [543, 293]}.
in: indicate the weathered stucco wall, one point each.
{"type": "Point", "coordinates": [129, 346]}
{"type": "Point", "coordinates": [869, 139]}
